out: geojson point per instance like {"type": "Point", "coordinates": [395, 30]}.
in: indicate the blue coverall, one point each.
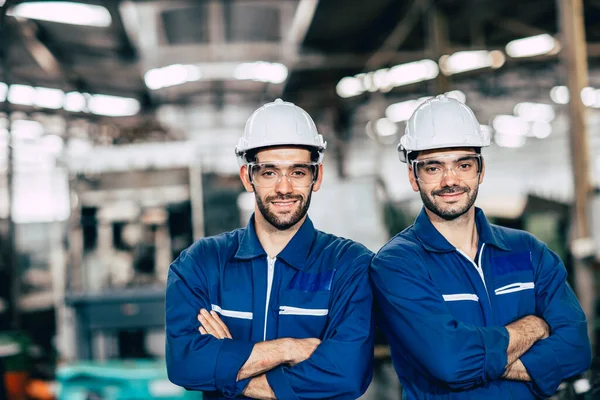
{"type": "Point", "coordinates": [319, 288]}
{"type": "Point", "coordinates": [444, 313]}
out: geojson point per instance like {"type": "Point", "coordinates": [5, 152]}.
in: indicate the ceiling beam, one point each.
{"type": "Point", "coordinates": [44, 58]}
{"type": "Point", "coordinates": [517, 27]}
{"type": "Point", "coordinates": [303, 17]}
{"type": "Point", "coordinates": [398, 35]}
{"type": "Point", "coordinates": [292, 42]}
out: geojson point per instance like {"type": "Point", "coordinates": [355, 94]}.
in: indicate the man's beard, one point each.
{"type": "Point", "coordinates": [285, 221]}
{"type": "Point", "coordinates": [451, 213]}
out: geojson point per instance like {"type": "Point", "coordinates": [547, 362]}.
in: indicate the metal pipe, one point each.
{"type": "Point", "coordinates": [12, 271]}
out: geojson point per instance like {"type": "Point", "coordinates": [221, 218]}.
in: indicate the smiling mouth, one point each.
{"type": "Point", "coordinates": [284, 204]}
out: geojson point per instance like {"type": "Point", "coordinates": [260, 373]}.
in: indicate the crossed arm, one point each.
{"type": "Point", "coordinates": [264, 356]}
{"type": "Point", "coordinates": [523, 334]}
{"type": "Point", "coordinates": [541, 350]}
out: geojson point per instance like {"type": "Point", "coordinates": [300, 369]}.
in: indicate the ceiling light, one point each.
{"type": "Point", "coordinates": [402, 111]}
{"type": "Point", "coordinates": [532, 46]}
{"type": "Point", "coordinates": [510, 125]}
{"type": "Point", "coordinates": [385, 127]}
{"type": "Point", "coordinates": [349, 87]}
{"type": "Point", "coordinates": [535, 112]}
{"type": "Point", "coordinates": [261, 71]}
{"type": "Point", "coordinates": [63, 12]}
{"type": "Point", "coordinates": [385, 79]}
{"type": "Point", "coordinates": [413, 72]}
{"type": "Point", "coordinates": [172, 75]}
{"type": "Point", "coordinates": [464, 61]}
{"type": "Point", "coordinates": [75, 102]}
{"type": "Point", "coordinates": [560, 94]}
{"type": "Point", "coordinates": [588, 96]}
{"type": "Point", "coordinates": [511, 141]}
{"type": "Point", "coordinates": [541, 130]}
{"type": "Point", "coordinates": [49, 98]}
{"type": "Point", "coordinates": [113, 106]}
{"type": "Point", "coordinates": [21, 94]}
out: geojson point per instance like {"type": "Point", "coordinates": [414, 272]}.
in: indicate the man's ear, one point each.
{"type": "Point", "coordinates": [413, 181]}
{"type": "Point", "coordinates": [246, 179]}
{"type": "Point", "coordinates": [482, 171]}
{"type": "Point", "coordinates": [317, 185]}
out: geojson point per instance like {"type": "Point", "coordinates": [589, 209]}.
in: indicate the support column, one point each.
{"type": "Point", "coordinates": [437, 43]}
{"type": "Point", "coordinates": [575, 61]}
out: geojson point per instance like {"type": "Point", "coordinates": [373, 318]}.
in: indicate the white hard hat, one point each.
{"type": "Point", "coordinates": [441, 122]}
{"type": "Point", "coordinates": [278, 124]}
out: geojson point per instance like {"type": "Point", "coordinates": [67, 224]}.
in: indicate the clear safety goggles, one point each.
{"type": "Point", "coordinates": [433, 169]}
{"type": "Point", "coordinates": [269, 174]}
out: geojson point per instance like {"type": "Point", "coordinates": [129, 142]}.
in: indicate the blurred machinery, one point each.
{"type": "Point", "coordinates": [126, 228]}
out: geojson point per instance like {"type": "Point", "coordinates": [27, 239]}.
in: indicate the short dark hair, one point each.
{"type": "Point", "coordinates": [251, 155]}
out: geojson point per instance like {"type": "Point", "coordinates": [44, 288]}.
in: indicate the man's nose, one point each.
{"type": "Point", "coordinates": [449, 179]}
{"type": "Point", "coordinates": [283, 185]}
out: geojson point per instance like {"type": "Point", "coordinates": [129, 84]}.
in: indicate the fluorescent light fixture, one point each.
{"type": "Point", "coordinates": [413, 72]}
{"type": "Point", "coordinates": [26, 129]}
{"type": "Point", "coordinates": [113, 106]}
{"type": "Point", "coordinates": [382, 80]}
{"type": "Point", "coordinates": [511, 141]}
{"type": "Point", "coordinates": [385, 79]}
{"type": "Point", "coordinates": [349, 87]}
{"type": "Point", "coordinates": [49, 98]}
{"type": "Point", "coordinates": [399, 112]}
{"type": "Point", "coordinates": [22, 94]}
{"type": "Point", "coordinates": [532, 46]}
{"type": "Point", "coordinates": [510, 125]}
{"type": "Point", "coordinates": [541, 130]}
{"type": "Point", "coordinates": [64, 12]}
{"type": "Point", "coordinates": [535, 112]}
{"type": "Point", "coordinates": [385, 127]}
{"type": "Point", "coordinates": [464, 61]}
{"type": "Point", "coordinates": [588, 96]}
{"type": "Point", "coordinates": [172, 75]}
{"type": "Point", "coordinates": [261, 71]}
{"type": "Point", "coordinates": [75, 102]}
{"type": "Point", "coordinates": [560, 94]}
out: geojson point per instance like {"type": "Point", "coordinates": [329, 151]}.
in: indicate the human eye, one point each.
{"type": "Point", "coordinates": [432, 169]}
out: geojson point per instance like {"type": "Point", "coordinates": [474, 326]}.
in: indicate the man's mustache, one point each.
{"type": "Point", "coordinates": [450, 190]}
{"type": "Point", "coordinates": [283, 198]}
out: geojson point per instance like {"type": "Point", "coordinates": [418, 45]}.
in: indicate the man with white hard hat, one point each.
{"type": "Point", "coordinates": [277, 309]}
{"type": "Point", "coordinates": [471, 310]}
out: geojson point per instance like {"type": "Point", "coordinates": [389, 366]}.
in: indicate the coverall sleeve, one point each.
{"type": "Point", "coordinates": [195, 361]}
{"type": "Point", "coordinates": [567, 351]}
{"type": "Point", "coordinates": [341, 367]}
{"type": "Point", "coordinates": [420, 329]}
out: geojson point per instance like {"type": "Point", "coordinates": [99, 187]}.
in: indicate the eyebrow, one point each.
{"type": "Point", "coordinates": [438, 161]}
{"type": "Point", "coordinates": [430, 162]}
{"type": "Point", "coordinates": [467, 157]}
{"type": "Point", "coordinates": [296, 165]}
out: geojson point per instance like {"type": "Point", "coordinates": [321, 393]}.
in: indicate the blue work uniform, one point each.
{"type": "Point", "coordinates": [316, 287]}
{"type": "Point", "coordinates": [444, 313]}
